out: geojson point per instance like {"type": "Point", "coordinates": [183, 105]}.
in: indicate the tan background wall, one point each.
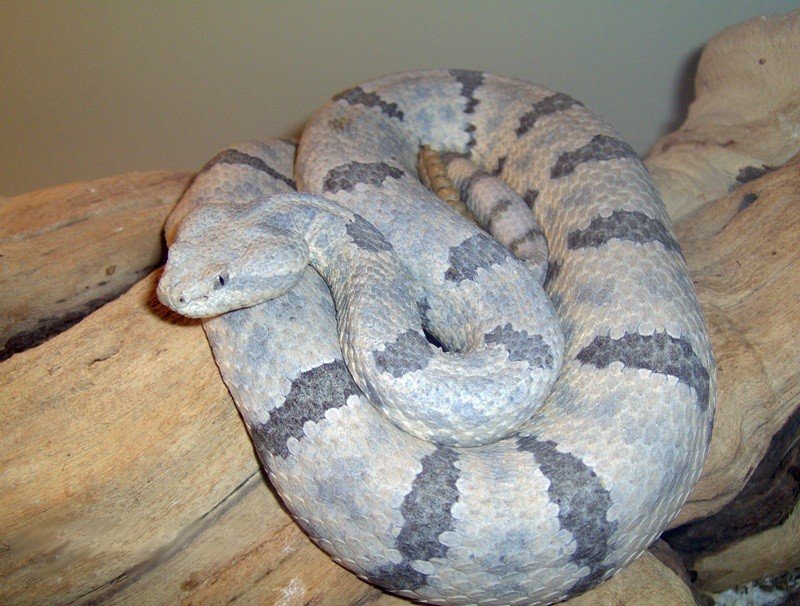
{"type": "Point", "coordinates": [89, 89]}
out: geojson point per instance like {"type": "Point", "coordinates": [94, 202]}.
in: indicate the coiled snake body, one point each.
{"type": "Point", "coordinates": [508, 463]}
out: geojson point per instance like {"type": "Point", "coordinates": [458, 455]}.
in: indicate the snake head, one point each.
{"type": "Point", "coordinates": [223, 259]}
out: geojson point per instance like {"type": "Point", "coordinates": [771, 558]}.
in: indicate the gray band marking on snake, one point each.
{"type": "Point", "coordinates": [600, 148]}
{"type": "Point", "coordinates": [516, 243]}
{"type": "Point", "coordinates": [658, 352]}
{"type": "Point", "coordinates": [470, 256]}
{"type": "Point", "coordinates": [232, 156]}
{"type": "Point", "coordinates": [427, 508]}
{"type": "Point", "coordinates": [470, 81]}
{"type": "Point", "coordinates": [609, 456]}
{"type": "Point", "coordinates": [313, 392]}
{"type": "Point", "coordinates": [427, 512]}
{"type": "Point", "coordinates": [634, 226]}
{"type": "Point", "coordinates": [549, 105]}
{"type": "Point", "coordinates": [522, 346]}
{"type": "Point", "coordinates": [408, 353]}
{"type": "Point", "coordinates": [498, 209]}
{"type": "Point", "coordinates": [583, 505]}
{"type": "Point", "coordinates": [346, 177]}
{"type": "Point", "coordinates": [357, 96]}
{"type": "Point", "coordinates": [366, 237]}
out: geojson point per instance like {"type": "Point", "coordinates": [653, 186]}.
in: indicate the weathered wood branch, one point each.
{"type": "Point", "coordinates": [751, 480]}
{"type": "Point", "coordinates": [758, 533]}
{"type": "Point", "coordinates": [744, 120]}
{"type": "Point", "coordinates": [743, 253]}
{"type": "Point", "coordinates": [126, 471]}
{"type": "Point", "coordinates": [128, 477]}
{"type": "Point", "coordinates": [68, 250]}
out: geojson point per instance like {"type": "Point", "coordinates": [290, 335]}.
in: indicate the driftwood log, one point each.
{"type": "Point", "coordinates": [745, 117]}
{"type": "Point", "coordinates": [743, 124]}
{"type": "Point", "coordinates": [69, 270]}
{"type": "Point", "coordinates": [743, 515]}
{"type": "Point", "coordinates": [126, 474]}
{"type": "Point", "coordinates": [743, 253]}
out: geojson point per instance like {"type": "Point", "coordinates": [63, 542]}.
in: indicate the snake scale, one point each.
{"type": "Point", "coordinates": [433, 420]}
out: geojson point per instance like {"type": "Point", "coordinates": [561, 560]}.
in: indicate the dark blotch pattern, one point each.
{"type": "Point", "coordinates": [500, 206]}
{"type": "Point", "coordinates": [747, 200]}
{"type": "Point", "coordinates": [476, 252]}
{"type": "Point", "coordinates": [409, 352]}
{"type": "Point", "coordinates": [660, 352]}
{"type": "Point", "coordinates": [599, 149]}
{"type": "Point", "coordinates": [346, 176]}
{"type": "Point", "coordinates": [427, 508]}
{"type": "Point", "coordinates": [233, 156]}
{"type": "Point", "coordinates": [366, 237]}
{"type": "Point", "coordinates": [470, 182]}
{"type": "Point", "coordinates": [548, 105]}
{"type": "Point", "coordinates": [522, 346]}
{"type": "Point", "coordinates": [470, 81]}
{"type": "Point", "coordinates": [583, 505]}
{"type": "Point", "coordinates": [553, 269]}
{"type": "Point", "coordinates": [530, 197]}
{"type": "Point", "coordinates": [426, 512]}
{"type": "Point", "coordinates": [358, 96]}
{"type": "Point", "coordinates": [528, 236]}
{"type": "Point", "coordinates": [311, 394]}
{"type": "Point", "coordinates": [470, 130]}
{"type": "Point", "coordinates": [751, 173]}
{"type": "Point", "coordinates": [634, 226]}
{"type": "Point", "coordinates": [398, 577]}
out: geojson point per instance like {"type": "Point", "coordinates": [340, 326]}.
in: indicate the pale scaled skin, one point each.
{"type": "Point", "coordinates": [478, 395]}
{"type": "Point", "coordinates": [592, 478]}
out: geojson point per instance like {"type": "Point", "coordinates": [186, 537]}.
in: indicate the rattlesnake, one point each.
{"type": "Point", "coordinates": [564, 493]}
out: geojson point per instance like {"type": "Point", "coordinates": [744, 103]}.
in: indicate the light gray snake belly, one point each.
{"type": "Point", "coordinates": [502, 462]}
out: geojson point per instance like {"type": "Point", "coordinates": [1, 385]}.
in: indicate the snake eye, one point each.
{"type": "Point", "coordinates": [220, 280]}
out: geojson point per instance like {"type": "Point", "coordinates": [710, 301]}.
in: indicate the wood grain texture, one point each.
{"type": "Point", "coordinates": [767, 500]}
{"type": "Point", "coordinates": [128, 478]}
{"type": "Point", "coordinates": [761, 555]}
{"type": "Point", "coordinates": [745, 117]}
{"type": "Point", "coordinates": [67, 250]}
{"type": "Point", "coordinates": [126, 475]}
{"type": "Point", "coordinates": [646, 582]}
{"type": "Point", "coordinates": [743, 253]}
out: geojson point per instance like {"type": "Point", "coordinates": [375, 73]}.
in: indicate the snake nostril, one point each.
{"type": "Point", "coordinates": [181, 299]}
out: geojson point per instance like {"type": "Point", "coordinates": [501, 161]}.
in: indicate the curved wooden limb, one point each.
{"type": "Point", "coordinates": [744, 120]}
